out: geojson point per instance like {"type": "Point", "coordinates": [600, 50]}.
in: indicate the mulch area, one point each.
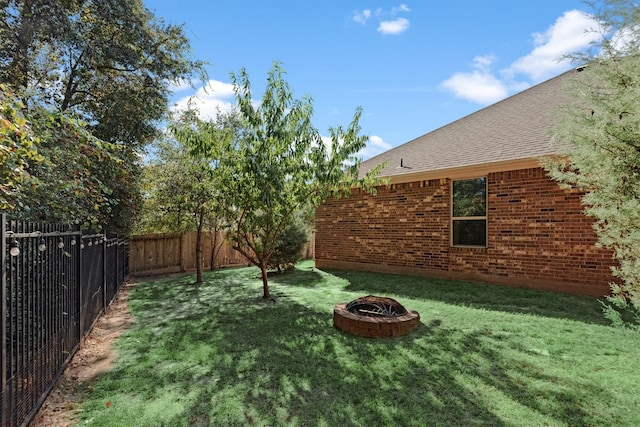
{"type": "Point", "coordinates": [95, 357]}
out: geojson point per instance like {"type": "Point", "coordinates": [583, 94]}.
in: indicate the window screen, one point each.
{"type": "Point", "coordinates": [469, 214]}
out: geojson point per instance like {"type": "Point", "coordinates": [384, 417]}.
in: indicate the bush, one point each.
{"type": "Point", "coordinates": [289, 246]}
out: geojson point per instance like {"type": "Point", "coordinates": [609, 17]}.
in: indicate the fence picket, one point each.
{"type": "Point", "coordinates": [52, 293]}
{"type": "Point", "coordinates": [152, 254]}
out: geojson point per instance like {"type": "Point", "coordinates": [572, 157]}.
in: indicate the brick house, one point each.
{"type": "Point", "coordinates": [471, 201]}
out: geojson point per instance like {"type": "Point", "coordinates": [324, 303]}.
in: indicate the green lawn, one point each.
{"type": "Point", "coordinates": [482, 356]}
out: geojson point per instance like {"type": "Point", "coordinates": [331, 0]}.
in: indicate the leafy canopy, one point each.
{"type": "Point", "coordinates": [183, 181]}
{"type": "Point", "coordinates": [279, 163]}
{"type": "Point", "coordinates": [18, 147]}
{"type": "Point", "coordinates": [602, 127]}
{"type": "Point", "coordinates": [86, 65]}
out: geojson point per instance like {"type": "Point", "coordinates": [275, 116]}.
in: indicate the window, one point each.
{"type": "Point", "coordinates": [469, 213]}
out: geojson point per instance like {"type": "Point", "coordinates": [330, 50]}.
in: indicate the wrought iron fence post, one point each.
{"type": "Point", "coordinates": [104, 273]}
{"type": "Point", "coordinates": [118, 264]}
{"type": "Point", "coordinates": [117, 258]}
{"type": "Point", "coordinates": [80, 286]}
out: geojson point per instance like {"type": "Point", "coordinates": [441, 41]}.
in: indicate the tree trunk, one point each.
{"type": "Point", "coordinates": [199, 253]}
{"type": "Point", "coordinates": [212, 258]}
{"type": "Point", "coordinates": [216, 247]}
{"type": "Point", "coordinates": [198, 259]}
{"type": "Point", "coordinates": [265, 283]}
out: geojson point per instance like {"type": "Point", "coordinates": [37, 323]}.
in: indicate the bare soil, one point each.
{"type": "Point", "coordinates": [94, 358]}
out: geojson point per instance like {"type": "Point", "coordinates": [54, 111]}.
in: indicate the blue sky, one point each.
{"type": "Point", "coordinates": [412, 66]}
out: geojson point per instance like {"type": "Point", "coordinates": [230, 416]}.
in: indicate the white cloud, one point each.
{"type": "Point", "coordinates": [625, 40]}
{"type": "Point", "coordinates": [218, 96]}
{"type": "Point", "coordinates": [483, 62]}
{"type": "Point", "coordinates": [179, 85]}
{"type": "Point", "coordinates": [570, 33]}
{"type": "Point", "coordinates": [401, 8]}
{"type": "Point", "coordinates": [375, 146]}
{"type": "Point", "coordinates": [362, 17]}
{"type": "Point", "coordinates": [480, 85]}
{"type": "Point", "coordinates": [396, 26]}
{"type": "Point", "coordinates": [328, 143]}
{"type": "Point", "coordinates": [221, 89]}
{"type": "Point", "coordinates": [386, 22]}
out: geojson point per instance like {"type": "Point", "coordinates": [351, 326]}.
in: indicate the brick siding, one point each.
{"type": "Point", "coordinates": [537, 235]}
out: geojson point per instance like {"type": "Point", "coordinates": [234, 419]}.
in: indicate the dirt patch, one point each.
{"type": "Point", "coordinates": [94, 358]}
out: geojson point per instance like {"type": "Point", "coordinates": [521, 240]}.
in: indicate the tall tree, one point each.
{"type": "Point", "coordinates": [185, 191]}
{"type": "Point", "coordinates": [280, 164]}
{"type": "Point", "coordinates": [108, 63]}
{"type": "Point", "coordinates": [75, 178]}
{"type": "Point", "coordinates": [52, 167]}
{"type": "Point", "coordinates": [602, 127]}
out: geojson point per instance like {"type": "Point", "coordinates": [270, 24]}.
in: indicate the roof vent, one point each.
{"type": "Point", "coordinates": [402, 166]}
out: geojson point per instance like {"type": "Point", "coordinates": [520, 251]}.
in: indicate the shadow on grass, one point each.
{"type": "Point", "coordinates": [241, 361]}
{"type": "Point", "coordinates": [478, 295]}
{"type": "Point", "coordinates": [304, 277]}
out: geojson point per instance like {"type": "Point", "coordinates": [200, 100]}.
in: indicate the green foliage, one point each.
{"type": "Point", "coordinates": [621, 314]}
{"type": "Point", "coordinates": [108, 64]}
{"type": "Point", "coordinates": [18, 148]}
{"type": "Point", "coordinates": [602, 127]}
{"type": "Point", "coordinates": [181, 186]}
{"type": "Point", "coordinates": [177, 187]}
{"type": "Point", "coordinates": [289, 246]}
{"type": "Point", "coordinates": [280, 164]}
{"type": "Point", "coordinates": [62, 174]}
{"type": "Point", "coordinates": [77, 175]}
{"type": "Point", "coordinates": [184, 190]}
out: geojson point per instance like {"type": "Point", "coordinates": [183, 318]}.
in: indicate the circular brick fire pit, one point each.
{"type": "Point", "coordinates": [376, 317]}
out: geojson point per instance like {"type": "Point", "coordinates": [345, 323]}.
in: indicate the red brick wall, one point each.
{"type": "Point", "coordinates": [537, 235]}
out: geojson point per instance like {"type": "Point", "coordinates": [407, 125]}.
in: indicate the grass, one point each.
{"type": "Point", "coordinates": [482, 356]}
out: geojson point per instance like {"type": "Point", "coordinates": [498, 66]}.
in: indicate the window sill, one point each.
{"type": "Point", "coordinates": [468, 248]}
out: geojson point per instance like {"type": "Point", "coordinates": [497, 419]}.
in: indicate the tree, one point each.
{"type": "Point", "coordinates": [280, 163]}
{"type": "Point", "coordinates": [18, 147]}
{"type": "Point", "coordinates": [602, 127]}
{"type": "Point", "coordinates": [106, 63]}
{"type": "Point", "coordinates": [185, 191]}
{"type": "Point", "coordinates": [58, 174]}
{"type": "Point", "coordinates": [75, 177]}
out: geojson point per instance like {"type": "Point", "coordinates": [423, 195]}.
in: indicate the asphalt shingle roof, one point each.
{"type": "Point", "coordinates": [515, 128]}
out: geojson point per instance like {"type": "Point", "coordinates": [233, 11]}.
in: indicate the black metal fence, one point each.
{"type": "Point", "coordinates": [56, 281]}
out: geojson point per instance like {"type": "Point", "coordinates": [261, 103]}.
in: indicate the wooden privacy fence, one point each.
{"type": "Point", "coordinates": [153, 254]}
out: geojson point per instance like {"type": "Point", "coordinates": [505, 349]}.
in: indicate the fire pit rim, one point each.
{"type": "Point", "coordinates": [374, 327]}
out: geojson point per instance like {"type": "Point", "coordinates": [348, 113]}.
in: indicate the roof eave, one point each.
{"type": "Point", "coordinates": [464, 172]}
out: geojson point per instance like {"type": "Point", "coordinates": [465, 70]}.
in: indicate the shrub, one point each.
{"type": "Point", "coordinates": [289, 246]}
